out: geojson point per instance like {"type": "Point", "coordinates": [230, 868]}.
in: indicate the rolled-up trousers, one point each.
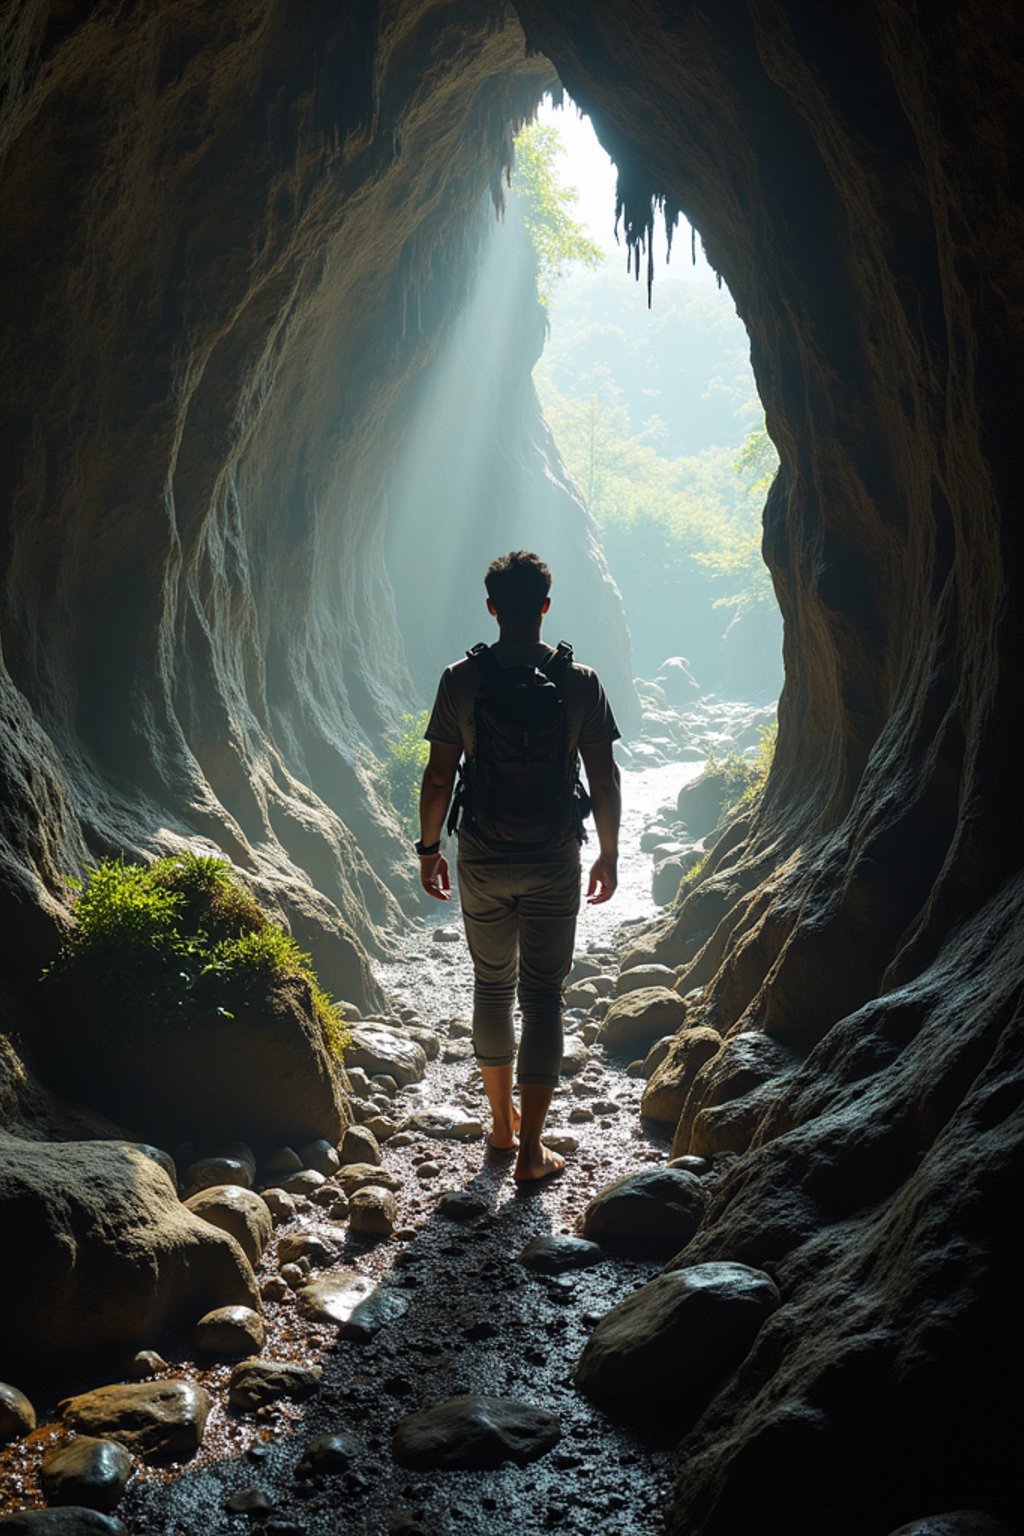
{"type": "Point", "coordinates": [520, 919]}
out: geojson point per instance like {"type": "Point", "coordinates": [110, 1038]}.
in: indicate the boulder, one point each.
{"type": "Point", "coordinates": [239, 1211]}
{"type": "Point", "coordinates": [17, 1415]}
{"type": "Point", "coordinates": [575, 1055]}
{"type": "Point", "coordinates": [71, 1521]}
{"type": "Point", "coordinates": [731, 1092]}
{"type": "Point", "coordinates": [655, 1056]}
{"type": "Point", "coordinates": [670, 1082]}
{"type": "Point", "coordinates": [677, 682]}
{"type": "Point", "coordinates": [159, 1421]}
{"type": "Point", "coordinates": [321, 1156]}
{"type": "Point", "coordinates": [554, 1253]}
{"type": "Point", "coordinates": [254, 1383]}
{"type": "Point", "coordinates": [228, 1332]}
{"type": "Point", "coordinates": [374, 1210]}
{"type": "Point", "coordinates": [663, 1351]}
{"type": "Point", "coordinates": [87, 1472]}
{"type": "Point", "coordinates": [108, 1258]}
{"type": "Point", "coordinates": [582, 994]}
{"type": "Point", "coordinates": [635, 1021]}
{"type": "Point", "coordinates": [668, 873]}
{"type": "Point", "coordinates": [376, 1048]}
{"type": "Point", "coordinates": [216, 1173]}
{"type": "Point", "coordinates": [361, 1146]}
{"type": "Point", "coordinates": [654, 1211]}
{"type": "Point", "coordinates": [650, 975]}
{"type": "Point", "coordinates": [476, 1433]}
{"type": "Point", "coordinates": [700, 802]}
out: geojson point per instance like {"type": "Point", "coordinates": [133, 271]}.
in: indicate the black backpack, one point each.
{"type": "Point", "coordinates": [521, 788]}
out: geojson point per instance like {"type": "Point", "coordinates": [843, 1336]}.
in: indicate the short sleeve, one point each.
{"type": "Point", "coordinates": [598, 721]}
{"type": "Point", "coordinates": [443, 725]}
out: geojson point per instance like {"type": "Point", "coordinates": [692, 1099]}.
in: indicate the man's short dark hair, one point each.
{"type": "Point", "coordinates": [517, 584]}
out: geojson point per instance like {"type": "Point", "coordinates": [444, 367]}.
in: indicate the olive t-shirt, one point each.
{"type": "Point", "coordinates": [589, 719]}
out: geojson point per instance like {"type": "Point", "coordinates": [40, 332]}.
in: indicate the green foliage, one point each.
{"type": "Point", "coordinates": [737, 561]}
{"type": "Point", "coordinates": [403, 770]}
{"type": "Point", "coordinates": [689, 880]}
{"type": "Point", "coordinates": [179, 938]}
{"type": "Point", "coordinates": [558, 238]}
{"type": "Point", "coordinates": [744, 777]}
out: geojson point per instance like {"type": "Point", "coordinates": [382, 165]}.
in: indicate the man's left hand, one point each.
{"type": "Point", "coordinates": [604, 877]}
{"type": "Point", "coordinates": [434, 876]}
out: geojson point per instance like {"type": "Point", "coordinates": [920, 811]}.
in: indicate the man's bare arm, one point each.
{"type": "Point", "coordinates": [606, 795]}
{"type": "Point", "coordinates": [435, 795]}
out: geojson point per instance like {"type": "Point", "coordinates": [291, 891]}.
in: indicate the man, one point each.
{"type": "Point", "coordinates": [518, 712]}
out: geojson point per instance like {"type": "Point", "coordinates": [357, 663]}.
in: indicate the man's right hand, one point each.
{"type": "Point", "coordinates": [604, 877]}
{"type": "Point", "coordinates": [434, 876]}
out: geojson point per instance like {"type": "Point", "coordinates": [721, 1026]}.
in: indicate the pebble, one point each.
{"type": "Point", "coordinates": [564, 1144]}
{"type": "Point", "coordinates": [460, 1029]}
{"type": "Point", "coordinates": [461, 1205]}
{"type": "Point", "coordinates": [385, 1083]}
{"type": "Point", "coordinates": [228, 1332]}
{"type": "Point", "coordinates": [354, 1175]}
{"type": "Point", "coordinates": [249, 1501]}
{"type": "Point", "coordinates": [554, 1253]}
{"type": "Point", "coordinates": [254, 1383]}
{"type": "Point", "coordinates": [145, 1364]}
{"type": "Point", "coordinates": [305, 1183]}
{"type": "Point", "coordinates": [320, 1156]}
{"type": "Point", "coordinates": [306, 1245]}
{"type": "Point", "coordinates": [293, 1275]}
{"type": "Point", "coordinates": [86, 1471]}
{"type": "Point", "coordinates": [373, 1210]}
{"type": "Point", "coordinates": [279, 1203]}
{"type": "Point", "coordinates": [427, 1171]}
{"type": "Point", "coordinates": [359, 1081]}
{"type": "Point", "coordinates": [690, 1164]}
{"type": "Point", "coordinates": [445, 1122]}
{"type": "Point", "coordinates": [285, 1160]}
{"type": "Point", "coordinates": [326, 1454]}
{"type": "Point", "coordinates": [580, 1115]}
{"type": "Point", "coordinates": [446, 936]}
{"type": "Point", "coordinates": [17, 1415]}
{"type": "Point", "coordinates": [360, 1145]}
{"type": "Point", "coordinates": [274, 1288]}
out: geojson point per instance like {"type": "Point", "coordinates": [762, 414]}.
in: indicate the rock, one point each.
{"type": "Point", "coordinates": [160, 1421]}
{"type": "Point", "coordinates": [70, 1521]}
{"type": "Point", "coordinates": [254, 1383]}
{"type": "Point", "coordinates": [667, 876]}
{"type": "Point", "coordinates": [238, 1211]}
{"type": "Point", "coordinates": [279, 1203]}
{"type": "Point", "coordinates": [293, 1275]}
{"type": "Point", "coordinates": [108, 1257]}
{"type": "Point", "coordinates": [732, 1092]}
{"type": "Point", "coordinates": [603, 985]}
{"type": "Point", "coordinates": [700, 802]}
{"type": "Point", "coordinates": [380, 1127]}
{"type": "Point", "coordinates": [575, 1055]}
{"type": "Point", "coordinates": [327, 1454]}
{"type": "Point", "coordinates": [698, 1165]}
{"type": "Point", "coordinates": [306, 1245]}
{"type": "Point", "coordinates": [305, 1183]}
{"type": "Point", "coordinates": [580, 1115]}
{"type": "Point", "coordinates": [673, 1076]}
{"type": "Point", "coordinates": [146, 1364]}
{"type": "Point", "coordinates": [361, 1146]}
{"type": "Point", "coordinates": [561, 1143]}
{"type": "Point", "coordinates": [655, 1056]}
{"type": "Point", "coordinates": [384, 1306]}
{"type": "Point", "coordinates": [162, 1159]}
{"type": "Point", "coordinates": [426, 1039]}
{"type": "Point", "coordinates": [457, 1050]}
{"type": "Point", "coordinates": [637, 976]}
{"type": "Point", "coordinates": [635, 1021]}
{"type": "Point", "coordinates": [446, 936]}
{"type": "Point", "coordinates": [654, 1211]}
{"type": "Point", "coordinates": [359, 1081]}
{"type": "Point", "coordinates": [17, 1415]}
{"type": "Point", "coordinates": [460, 1029]}
{"type": "Point", "coordinates": [554, 1253]}
{"type": "Point", "coordinates": [580, 995]}
{"type": "Point", "coordinates": [461, 1205]}
{"type": "Point", "coordinates": [677, 682]}
{"type": "Point", "coordinates": [476, 1433]}
{"type": "Point", "coordinates": [86, 1471]}
{"type": "Point", "coordinates": [445, 1122]}
{"type": "Point", "coordinates": [228, 1332]}
{"type": "Point", "coordinates": [284, 1161]}
{"type": "Point", "coordinates": [665, 1348]}
{"type": "Point", "coordinates": [321, 1156]}
{"type": "Point", "coordinates": [334, 1298]}
{"type": "Point", "coordinates": [216, 1172]}
{"type": "Point", "coordinates": [354, 1175]}
{"type": "Point", "coordinates": [249, 1501]}
{"type": "Point", "coordinates": [274, 1288]}
{"type": "Point", "coordinates": [377, 1049]}
{"type": "Point", "coordinates": [374, 1210]}
{"type": "Point", "coordinates": [959, 1522]}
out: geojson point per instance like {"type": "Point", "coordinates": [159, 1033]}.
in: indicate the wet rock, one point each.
{"type": "Point", "coordinates": [575, 1055]}
{"type": "Point", "coordinates": [70, 1521]}
{"type": "Point", "coordinates": [559, 1143]}
{"type": "Point", "coordinates": [380, 1127]}
{"type": "Point", "coordinates": [228, 1332]}
{"type": "Point", "coordinates": [321, 1156]}
{"type": "Point", "coordinates": [241, 1212]}
{"type": "Point", "coordinates": [690, 1164]}
{"type": "Point", "coordinates": [249, 1501]}
{"type": "Point", "coordinates": [445, 1122]}
{"type": "Point", "coordinates": [279, 1203]}
{"type": "Point", "coordinates": [583, 968]}
{"type": "Point", "coordinates": [460, 1029]}
{"type": "Point", "coordinates": [334, 1298]}
{"type": "Point", "coordinates": [306, 1245]}
{"type": "Point", "coordinates": [668, 874]}
{"type": "Point", "coordinates": [293, 1275]}
{"type": "Point", "coordinates": [958, 1522]}
{"type": "Point", "coordinates": [666, 1347]}
{"type": "Point", "coordinates": [305, 1183]}
{"type": "Point", "coordinates": [209, 1172]}
{"type": "Point", "coordinates": [162, 1159]}
{"type": "Point", "coordinates": [475, 1433]}
{"type": "Point", "coordinates": [655, 1211]}
{"type": "Point", "coordinates": [254, 1383]}
{"type": "Point", "coordinates": [284, 1160]}
{"type": "Point", "coordinates": [274, 1288]}
{"type": "Point", "coordinates": [360, 1146]}
{"type": "Point", "coordinates": [145, 1364]}
{"type": "Point", "coordinates": [338, 1208]}
{"type": "Point", "coordinates": [86, 1471]}
{"type": "Point", "coordinates": [428, 1171]}
{"type": "Point", "coordinates": [161, 1421]}
{"type": "Point", "coordinates": [581, 995]}
{"type": "Point", "coordinates": [327, 1454]}
{"type": "Point", "coordinates": [554, 1253]}
{"type": "Point", "coordinates": [638, 976]}
{"type": "Point", "coordinates": [17, 1415]}
{"type": "Point", "coordinates": [580, 1115]}
{"type": "Point", "coordinates": [382, 1307]}
{"type": "Point", "coordinates": [359, 1081]}
{"type": "Point", "coordinates": [589, 1031]}
{"type": "Point", "coordinates": [732, 1092]}
{"type": "Point", "coordinates": [673, 1076]}
{"type": "Point", "coordinates": [635, 1021]}
{"type": "Point", "coordinates": [426, 1039]}
{"type": "Point", "coordinates": [374, 1210]}
{"type": "Point", "coordinates": [354, 1175]}
{"type": "Point", "coordinates": [656, 1055]}
{"type": "Point", "coordinates": [446, 936]}
{"type": "Point", "coordinates": [377, 1049]}
{"type": "Point", "coordinates": [457, 1050]}
{"type": "Point", "coordinates": [461, 1205]}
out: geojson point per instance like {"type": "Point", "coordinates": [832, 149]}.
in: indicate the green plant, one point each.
{"type": "Point", "coordinates": [744, 777]}
{"type": "Point", "coordinates": [557, 237]}
{"type": "Point", "coordinates": [179, 938]}
{"type": "Point", "coordinates": [403, 769]}
{"type": "Point", "coordinates": [689, 880]}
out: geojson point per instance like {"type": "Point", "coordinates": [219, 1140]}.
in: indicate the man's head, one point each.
{"type": "Point", "coordinates": [517, 587]}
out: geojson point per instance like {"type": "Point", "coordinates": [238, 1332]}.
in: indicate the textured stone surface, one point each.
{"type": "Point", "coordinates": [476, 1433]}
{"type": "Point", "coordinates": [957, 1522]}
{"type": "Point", "coordinates": [17, 1415]}
{"type": "Point", "coordinates": [238, 1211]}
{"type": "Point", "coordinates": [377, 1049]}
{"type": "Point", "coordinates": [654, 1211]}
{"type": "Point", "coordinates": [373, 1209]}
{"type": "Point", "coordinates": [555, 1253]}
{"type": "Point", "coordinates": [670, 1081]}
{"type": "Point", "coordinates": [662, 1351]}
{"type": "Point", "coordinates": [62, 1522]}
{"type": "Point", "coordinates": [333, 1298]}
{"type": "Point", "coordinates": [635, 1021]}
{"type": "Point", "coordinates": [254, 1383]}
{"type": "Point", "coordinates": [228, 1332]}
{"type": "Point", "coordinates": [162, 1421]}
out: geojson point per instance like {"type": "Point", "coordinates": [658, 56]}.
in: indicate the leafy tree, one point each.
{"type": "Point", "coordinates": [558, 238]}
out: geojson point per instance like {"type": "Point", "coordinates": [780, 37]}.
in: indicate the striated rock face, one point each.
{"type": "Point", "coordinates": [848, 170]}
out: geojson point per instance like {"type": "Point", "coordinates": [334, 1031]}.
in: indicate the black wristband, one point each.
{"type": "Point", "coordinates": [425, 850]}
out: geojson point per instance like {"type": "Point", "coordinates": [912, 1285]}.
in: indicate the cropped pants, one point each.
{"type": "Point", "coordinates": [520, 922]}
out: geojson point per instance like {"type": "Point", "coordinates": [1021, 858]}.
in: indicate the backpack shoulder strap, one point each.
{"type": "Point", "coordinates": [485, 660]}
{"type": "Point", "coordinates": [558, 665]}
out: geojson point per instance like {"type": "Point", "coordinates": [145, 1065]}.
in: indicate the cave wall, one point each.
{"type": "Point", "coordinates": [234, 242]}
{"type": "Point", "coordinates": [856, 936]}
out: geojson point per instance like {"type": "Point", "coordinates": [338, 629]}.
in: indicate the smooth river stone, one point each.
{"type": "Point", "coordinates": [554, 1253]}
{"type": "Point", "coordinates": [655, 1211]}
{"type": "Point", "coordinates": [475, 1433]}
{"type": "Point", "coordinates": [72, 1520]}
{"type": "Point", "coordinates": [161, 1420]}
{"type": "Point", "coordinates": [445, 1122]}
{"type": "Point", "coordinates": [229, 1332]}
{"type": "Point", "coordinates": [253, 1383]}
{"type": "Point", "coordinates": [376, 1049]}
{"type": "Point", "coordinates": [236, 1210]}
{"type": "Point", "coordinates": [88, 1472]}
{"type": "Point", "coordinates": [17, 1416]}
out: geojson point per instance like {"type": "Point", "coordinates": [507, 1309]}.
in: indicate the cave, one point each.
{"type": "Point", "coordinates": [236, 240]}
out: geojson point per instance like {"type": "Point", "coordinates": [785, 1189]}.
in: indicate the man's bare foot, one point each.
{"type": "Point", "coordinates": [505, 1137]}
{"type": "Point", "coordinates": [539, 1163]}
